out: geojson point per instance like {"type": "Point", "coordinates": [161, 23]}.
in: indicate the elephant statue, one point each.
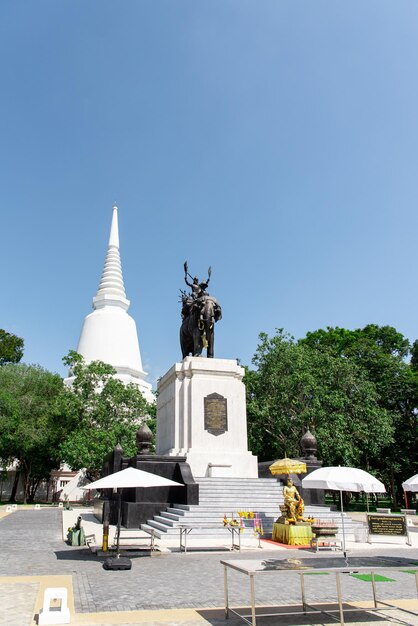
{"type": "Point", "coordinates": [197, 330]}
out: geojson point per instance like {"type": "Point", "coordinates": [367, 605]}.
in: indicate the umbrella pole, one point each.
{"type": "Point", "coordinates": [119, 522]}
{"type": "Point", "coordinates": [367, 502]}
{"type": "Point", "coordinates": [406, 499]}
{"type": "Point", "coordinates": [342, 520]}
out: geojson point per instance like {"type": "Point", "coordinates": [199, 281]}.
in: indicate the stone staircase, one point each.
{"type": "Point", "coordinates": [227, 496]}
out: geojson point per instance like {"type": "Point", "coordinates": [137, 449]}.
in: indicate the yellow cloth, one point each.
{"type": "Point", "coordinates": [292, 535]}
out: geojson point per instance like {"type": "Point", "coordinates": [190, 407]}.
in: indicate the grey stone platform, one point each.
{"type": "Point", "coordinates": [32, 544]}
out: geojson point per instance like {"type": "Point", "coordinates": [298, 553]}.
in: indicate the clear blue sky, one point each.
{"type": "Point", "coordinates": [274, 140]}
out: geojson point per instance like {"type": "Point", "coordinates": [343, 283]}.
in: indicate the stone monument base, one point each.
{"type": "Point", "coordinates": [201, 414]}
{"type": "Point", "coordinates": [140, 504]}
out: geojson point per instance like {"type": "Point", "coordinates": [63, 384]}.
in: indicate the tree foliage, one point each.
{"type": "Point", "coordinates": [295, 387]}
{"type": "Point", "coordinates": [353, 388]}
{"type": "Point", "coordinates": [103, 412]}
{"type": "Point", "coordinates": [11, 348]}
{"type": "Point", "coordinates": [381, 352]}
{"type": "Point", "coordinates": [32, 425]}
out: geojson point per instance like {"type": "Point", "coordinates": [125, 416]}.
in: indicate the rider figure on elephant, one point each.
{"type": "Point", "coordinates": [198, 288]}
{"type": "Point", "coordinates": [199, 313]}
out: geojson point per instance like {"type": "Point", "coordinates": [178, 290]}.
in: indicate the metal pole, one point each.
{"type": "Point", "coordinates": [408, 539]}
{"type": "Point", "coordinates": [302, 588]}
{"type": "Point", "coordinates": [253, 619]}
{"type": "Point", "coordinates": [226, 592]}
{"type": "Point", "coordinates": [340, 603]}
{"type": "Point", "coordinates": [105, 542]}
{"type": "Point", "coordinates": [342, 519]}
{"type": "Point", "coordinates": [119, 522]}
{"type": "Point", "coordinates": [374, 589]}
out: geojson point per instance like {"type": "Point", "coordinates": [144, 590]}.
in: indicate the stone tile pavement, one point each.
{"type": "Point", "coordinates": [17, 602]}
{"type": "Point", "coordinates": [170, 588]}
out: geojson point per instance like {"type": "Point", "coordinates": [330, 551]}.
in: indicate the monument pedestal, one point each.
{"type": "Point", "coordinates": [201, 414]}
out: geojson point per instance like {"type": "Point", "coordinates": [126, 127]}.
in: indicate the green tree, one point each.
{"type": "Point", "coordinates": [381, 352]}
{"type": "Point", "coordinates": [359, 343]}
{"type": "Point", "coordinates": [31, 424]}
{"type": "Point", "coordinates": [11, 348]}
{"type": "Point", "coordinates": [103, 412]}
{"type": "Point", "coordinates": [295, 386]}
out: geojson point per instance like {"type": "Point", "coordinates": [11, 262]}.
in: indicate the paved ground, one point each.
{"type": "Point", "coordinates": [169, 588]}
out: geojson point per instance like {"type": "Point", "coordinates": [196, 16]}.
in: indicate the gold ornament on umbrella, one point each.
{"type": "Point", "coordinates": [287, 466]}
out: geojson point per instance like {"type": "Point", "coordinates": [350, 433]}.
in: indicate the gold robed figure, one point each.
{"type": "Point", "coordinates": [293, 503]}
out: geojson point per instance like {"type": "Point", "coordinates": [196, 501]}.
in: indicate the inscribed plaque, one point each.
{"type": "Point", "coordinates": [216, 414]}
{"type": "Point", "coordinates": [387, 525]}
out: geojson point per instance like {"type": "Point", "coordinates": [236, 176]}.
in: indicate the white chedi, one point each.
{"type": "Point", "coordinates": [109, 333]}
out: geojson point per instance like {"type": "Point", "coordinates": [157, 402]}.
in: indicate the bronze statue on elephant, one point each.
{"type": "Point", "coordinates": [199, 312]}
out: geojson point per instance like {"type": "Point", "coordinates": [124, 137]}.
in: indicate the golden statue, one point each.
{"type": "Point", "coordinates": [293, 503]}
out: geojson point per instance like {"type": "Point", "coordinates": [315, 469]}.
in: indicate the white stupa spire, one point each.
{"type": "Point", "coordinates": [109, 333]}
{"type": "Point", "coordinates": [111, 288]}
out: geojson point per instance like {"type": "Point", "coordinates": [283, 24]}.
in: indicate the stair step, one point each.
{"type": "Point", "coordinates": [176, 510]}
{"type": "Point", "coordinates": [206, 511]}
{"type": "Point", "coordinates": [150, 529]}
{"type": "Point", "coordinates": [164, 520]}
{"type": "Point", "coordinates": [159, 526]}
{"type": "Point", "coordinates": [169, 515]}
{"type": "Point", "coordinates": [227, 496]}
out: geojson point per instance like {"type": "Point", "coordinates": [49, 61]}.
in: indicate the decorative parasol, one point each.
{"type": "Point", "coordinates": [129, 477]}
{"type": "Point", "coordinates": [287, 466]}
{"type": "Point", "coordinates": [343, 479]}
{"type": "Point", "coordinates": [411, 484]}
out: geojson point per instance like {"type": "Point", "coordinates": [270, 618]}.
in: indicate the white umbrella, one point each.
{"type": "Point", "coordinates": [411, 484]}
{"type": "Point", "coordinates": [130, 477]}
{"type": "Point", "coordinates": [343, 479]}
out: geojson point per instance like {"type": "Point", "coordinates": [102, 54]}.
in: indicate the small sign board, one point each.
{"type": "Point", "coordinates": [387, 524]}
{"type": "Point", "coordinates": [216, 414]}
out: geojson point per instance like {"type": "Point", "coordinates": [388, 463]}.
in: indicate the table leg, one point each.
{"type": "Point", "coordinates": [340, 603]}
{"type": "Point", "coordinates": [374, 590]}
{"type": "Point", "coordinates": [302, 588]}
{"type": "Point", "coordinates": [314, 543]}
{"type": "Point", "coordinates": [253, 619]}
{"type": "Point", "coordinates": [226, 592]}
{"type": "Point", "coordinates": [183, 535]}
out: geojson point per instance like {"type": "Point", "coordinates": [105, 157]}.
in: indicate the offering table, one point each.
{"type": "Point", "coordinates": [185, 530]}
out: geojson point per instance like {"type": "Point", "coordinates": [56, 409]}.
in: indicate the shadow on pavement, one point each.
{"type": "Point", "coordinates": [76, 555]}
{"type": "Point", "coordinates": [216, 617]}
{"type": "Point", "coordinates": [82, 554]}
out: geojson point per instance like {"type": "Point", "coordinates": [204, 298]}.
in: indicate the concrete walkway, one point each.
{"type": "Point", "coordinates": [170, 588]}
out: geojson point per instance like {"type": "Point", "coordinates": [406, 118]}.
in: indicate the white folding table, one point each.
{"type": "Point", "coordinates": [186, 529]}
{"type": "Point", "coordinates": [302, 566]}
